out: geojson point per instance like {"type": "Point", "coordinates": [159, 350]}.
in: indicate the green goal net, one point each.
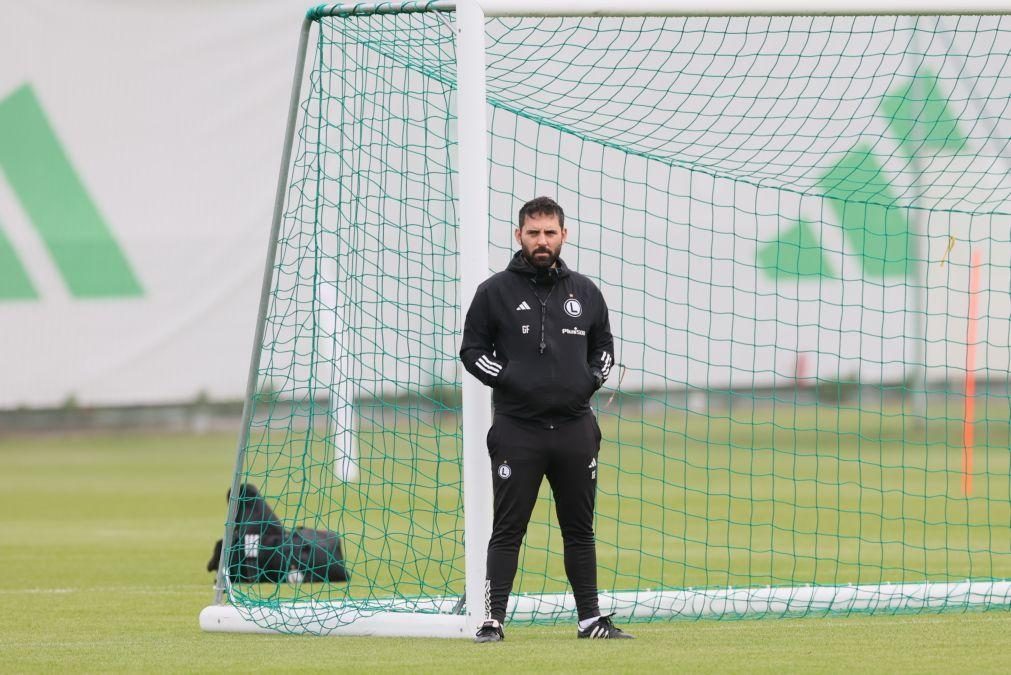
{"type": "Point", "coordinates": [801, 227]}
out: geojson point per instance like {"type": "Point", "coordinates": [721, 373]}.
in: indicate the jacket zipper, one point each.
{"type": "Point", "coordinates": [544, 312]}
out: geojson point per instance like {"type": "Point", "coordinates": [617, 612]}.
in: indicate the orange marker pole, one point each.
{"type": "Point", "coordinates": [969, 423]}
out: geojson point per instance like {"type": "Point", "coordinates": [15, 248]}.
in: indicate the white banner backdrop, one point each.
{"type": "Point", "coordinates": [172, 117]}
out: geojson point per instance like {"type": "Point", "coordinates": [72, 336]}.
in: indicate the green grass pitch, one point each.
{"type": "Point", "coordinates": [105, 539]}
{"type": "Point", "coordinates": [751, 497]}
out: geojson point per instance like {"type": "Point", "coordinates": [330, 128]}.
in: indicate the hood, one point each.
{"type": "Point", "coordinates": [520, 265]}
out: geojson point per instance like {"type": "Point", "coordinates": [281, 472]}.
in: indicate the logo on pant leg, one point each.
{"type": "Point", "coordinates": [504, 471]}
{"type": "Point", "coordinates": [593, 469]}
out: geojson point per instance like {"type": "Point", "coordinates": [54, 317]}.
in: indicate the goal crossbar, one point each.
{"type": "Point", "coordinates": [686, 8]}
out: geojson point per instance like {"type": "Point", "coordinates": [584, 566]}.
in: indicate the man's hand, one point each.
{"type": "Point", "coordinates": [598, 378]}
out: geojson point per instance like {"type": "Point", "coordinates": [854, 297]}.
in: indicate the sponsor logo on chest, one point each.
{"type": "Point", "coordinates": [575, 330]}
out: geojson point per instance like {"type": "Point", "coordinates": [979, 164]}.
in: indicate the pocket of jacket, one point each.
{"type": "Point", "coordinates": [489, 439]}
{"type": "Point", "coordinates": [591, 381]}
{"type": "Point", "coordinates": [503, 377]}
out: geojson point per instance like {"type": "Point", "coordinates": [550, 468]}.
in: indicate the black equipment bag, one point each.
{"type": "Point", "coordinates": [262, 551]}
{"type": "Point", "coordinates": [318, 554]}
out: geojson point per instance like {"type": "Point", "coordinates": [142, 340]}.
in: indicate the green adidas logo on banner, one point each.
{"type": "Point", "coordinates": [857, 191]}
{"type": "Point", "coordinates": [78, 239]}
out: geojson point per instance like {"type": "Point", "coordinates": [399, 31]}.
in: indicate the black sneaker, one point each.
{"type": "Point", "coordinates": [604, 629]}
{"type": "Point", "coordinates": [490, 631]}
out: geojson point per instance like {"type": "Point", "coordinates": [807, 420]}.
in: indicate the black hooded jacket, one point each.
{"type": "Point", "coordinates": [541, 339]}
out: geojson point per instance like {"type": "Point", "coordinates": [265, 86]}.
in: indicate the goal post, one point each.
{"type": "Point", "coordinates": [474, 265]}
{"type": "Point", "coordinates": [772, 205]}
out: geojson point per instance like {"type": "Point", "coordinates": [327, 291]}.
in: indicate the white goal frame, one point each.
{"type": "Point", "coordinates": [469, 26]}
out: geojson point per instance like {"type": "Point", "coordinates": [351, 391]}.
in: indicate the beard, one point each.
{"type": "Point", "coordinates": [542, 257]}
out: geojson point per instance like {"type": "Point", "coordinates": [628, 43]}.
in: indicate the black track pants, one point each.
{"type": "Point", "coordinates": [522, 454]}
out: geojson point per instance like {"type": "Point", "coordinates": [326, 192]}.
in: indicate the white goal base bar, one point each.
{"type": "Point", "coordinates": [306, 619]}
{"type": "Point", "coordinates": [431, 617]}
{"type": "Point", "coordinates": [779, 601]}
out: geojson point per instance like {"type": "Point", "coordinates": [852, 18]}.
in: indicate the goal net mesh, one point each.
{"type": "Point", "coordinates": [782, 214]}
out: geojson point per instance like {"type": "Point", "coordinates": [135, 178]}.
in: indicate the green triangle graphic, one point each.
{"type": "Point", "coordinates": [874, 222]}
{"type": "Point", "coordinates": [796, 253]}
{"type": "Point", "coordinates": [57, 203]}
{"type": "Point", "coordinates": [14, 281]}
{"type": "Point", "coordinates": [921, 118]}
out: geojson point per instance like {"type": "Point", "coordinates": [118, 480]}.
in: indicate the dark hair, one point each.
{"type": "Point", "coordinates": [541, 206]}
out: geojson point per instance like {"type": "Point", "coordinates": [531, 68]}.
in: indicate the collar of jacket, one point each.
{"type": "Point", "coordinates": [520, 265]}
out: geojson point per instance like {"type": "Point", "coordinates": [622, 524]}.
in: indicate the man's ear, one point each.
{"type": "Point", "coordinates": [519, 239]}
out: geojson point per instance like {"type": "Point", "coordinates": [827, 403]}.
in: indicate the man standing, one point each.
{"type": "Point", "coordinates": [538, 334]}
